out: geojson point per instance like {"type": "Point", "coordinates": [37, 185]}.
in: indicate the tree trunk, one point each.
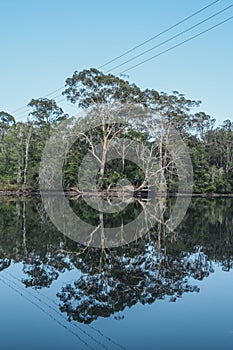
{"type": "Point", "coordinates": [28, 139]}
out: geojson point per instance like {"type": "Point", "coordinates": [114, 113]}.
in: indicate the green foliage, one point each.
{"type": "Point", "coordinates": [22, 144]}
{"type": "Point", "coordinates": [91, 87]}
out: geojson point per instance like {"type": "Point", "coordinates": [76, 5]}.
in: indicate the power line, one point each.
{"type": "Point", "coordinates": [22, 114]}
{"type": "Point", "coordinates": [62, 100]}
{"type": "Point", "coordinates": [173, 37]}
{"type": "Point", "coordinates": [51, 93]}
{"type": "Point", "coordinates": [25, 108]}
{"type": "Point", "coordinates": [159, 34]}
{"type": "Point", "coordinates": [179, 44]}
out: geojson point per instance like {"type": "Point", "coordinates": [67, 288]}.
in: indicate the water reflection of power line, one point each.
{"type": "Point", "coordinates": [61, 315]}
{"type": "Point", "coordinates": [47, 313]}
{"type": "Point", "coordinates": [74, 324]}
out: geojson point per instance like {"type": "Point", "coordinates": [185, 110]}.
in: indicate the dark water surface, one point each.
{"type": "Point", "coordinates": [164, 291]}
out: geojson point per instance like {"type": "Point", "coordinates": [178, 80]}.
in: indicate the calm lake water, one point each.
{"type": "Point", "coordinates": [164, 291]}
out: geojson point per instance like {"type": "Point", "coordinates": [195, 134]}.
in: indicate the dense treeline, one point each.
{"type": "Point", "coordinates": [22, 143]}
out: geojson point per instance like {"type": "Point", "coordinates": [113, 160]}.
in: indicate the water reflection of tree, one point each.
{"type": "Point", "coordinates": [145, 275]}
{"type": "Point", "coordinates": [155, 266]}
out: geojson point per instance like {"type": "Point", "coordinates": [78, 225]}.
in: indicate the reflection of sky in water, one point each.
{"type": "Point", "coordinates": [203, 319]}
{"type": "Point", "coordinates": [196, 320]}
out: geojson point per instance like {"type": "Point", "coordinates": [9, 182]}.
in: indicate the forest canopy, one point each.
{"type": "Point", "coordinates": [22, 143]}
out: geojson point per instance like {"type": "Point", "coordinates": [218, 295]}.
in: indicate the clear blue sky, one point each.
{"type": "Point", "coordinates": [43, 42]}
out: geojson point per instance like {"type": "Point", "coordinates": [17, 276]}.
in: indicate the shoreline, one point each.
{"type": "Point", "coordinates": [72, 194]}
